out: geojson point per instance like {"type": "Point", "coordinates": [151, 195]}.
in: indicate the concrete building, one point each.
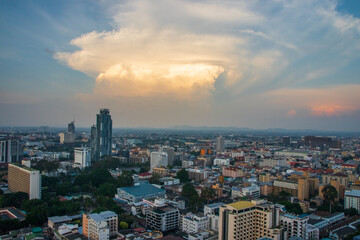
{"type": "Point", "coordinates": [247, 220]}
{"type": "Point", "coordinates": [252, 191]}
{"type": "Point", "coordinates": [303, 189]}
{"type": "Point", "coordinates": [101, 135]}
{"type": "Point", "coordinates": [24, 179]}
{"type": "Point", "coordinates": [294, 225]}
{"type": "Point", "coordinates": [352, 199]}
{"type": "Point", "coordinates": [158, 159]}
{"type": "Point", "coordinates": [220, 144]}
{"type": "Point", "coordinates": [287, 186]}
{"type": "Point", "coordinates": [162, 219]}
{"type": "Point", "coordinates": [191, 223]}
{"type": "Point", "coordinates": [342, 178]}
{"type": "Point", "coordinates": [170, 153]}
{"type": "Point", "coordinates": [221, 161]}
{"type": "Point", "coordinates": [100, 226]}
{"type": "Point", "coordinates": [67, 137]}
{"type": "Point", "coordinates": [198, 174]}
{"type": "Point", "coordinates": [212, 212]}
{"type": "Point", "coordinates": [232, 172]}
{"type": "Point", "coordinates": [10, 151]}
{"type": "Point", "coordinates": [82, 157]}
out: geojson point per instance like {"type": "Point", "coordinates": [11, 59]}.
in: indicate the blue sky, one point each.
{"type": "Point", "coordinates": [290, 64]}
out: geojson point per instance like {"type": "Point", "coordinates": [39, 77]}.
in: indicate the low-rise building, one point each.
{"type": "Point", "coordinates": [352, 200]}
{"type": "Point", "coordinates": [191, 223]}
{"type": "Point", "coordinates": [138, 193]}
{"type": "Point", "coordinates": [100, 226]}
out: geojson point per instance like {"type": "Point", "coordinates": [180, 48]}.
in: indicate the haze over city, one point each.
{"type": "Point", "coordinates": [257, 64]}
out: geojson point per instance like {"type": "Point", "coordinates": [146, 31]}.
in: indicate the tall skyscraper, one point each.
{"type": "Point", "coordinates": [71, 127]}
{"type": "Point", "coordinates": [220, 144]}
{"type": "Point", "coordinates": [10, 151]}
{"type": "Point", "coordinates": [170, 152]}
{"type": "Point", "coordinates": [101, 135]}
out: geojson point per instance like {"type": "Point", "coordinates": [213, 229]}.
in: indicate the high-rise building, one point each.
{"type": "Point", "coordinates": [10, 151]}
{"type": "Point", "coordinates": [158, 159]}
{"type": "Point", "coordinates": [352, 200]}
{"type": "Point", "coordinates": [303, 189]}
{"type": "Point", "coordinates": [82, 157]}
{"type": "Point", "coordinates": [162, 218]}
{"type": "Point", "coordinates": [170, 152]}
{"type": "Point", "coordinates": [71, 127]}
{"type": "Point", "coordinates": [220, 144]}
{"type": "Point", "coordinates": [101, 135]}
{"type": "Point", "coordinates": [24, 179]}
{"type": "Point", "coordinates": [294, 225]}
{"type": "Point", "coordinates": [247, 220]}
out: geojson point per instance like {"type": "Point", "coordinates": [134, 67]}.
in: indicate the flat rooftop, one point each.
{"type": "Point", "coordinates": [241, 205]}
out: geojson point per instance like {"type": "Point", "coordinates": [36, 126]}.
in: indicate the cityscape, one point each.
{"type": "Point", "coordinates": [179, 120]}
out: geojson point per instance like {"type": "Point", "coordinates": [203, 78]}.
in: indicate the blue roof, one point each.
{"type": "Point", "coordinates": [142, 189]}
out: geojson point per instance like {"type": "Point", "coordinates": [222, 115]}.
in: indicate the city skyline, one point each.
{"type": "Point", "coordinates": [283, 64]}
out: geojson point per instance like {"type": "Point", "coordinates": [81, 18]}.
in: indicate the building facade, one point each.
{"type": "Point", "coordinates": [24, 179]}
{"type": "Point", "coordinates": [191, 223]}
{"type": "Point", "coordinates": [247, 220]}
{"type": "Point", "coordinates": [101, 135]}
{"type": "Point", "coordinates": [10, 151]}
{"type": "Point", "coordinates": [352, 200]}
{"type": "Point", "coordinates": [162, 219]}
{"type": "Point", "coordinates": [100, 226]}
{"type": "Point", "coordinates": [82, 157]}
{"type": "Point", "coordinates": [158, 159]}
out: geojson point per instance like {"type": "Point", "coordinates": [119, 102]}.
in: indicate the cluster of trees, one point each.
{"type": "Point", "coordinates": [44, 165]}
{"type": "Point", "coordinates": [183, 175]}
{"type": "Point", "coordinates": [194, 201]}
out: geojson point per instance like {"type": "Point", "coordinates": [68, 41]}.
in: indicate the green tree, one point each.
{"type": "Point", "coordinates": [183, 175]}
{"type": "Point", "coordinates": [124, 225]}
{"type": "Point", "coordinates": [208, 194]}
{"type": "Point", "coordinates": [106, 189]}
{"type": "Point", "coordinates": [188, 190]}
{"type": "Point", "coordinates": [329, 192]}
{"type": "Point", "coordinates": [155, 179]}
{"type": "Point", "coordinates": [125, 179]}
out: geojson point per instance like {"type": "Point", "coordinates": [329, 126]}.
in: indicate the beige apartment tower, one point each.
{"type": "Point", "coordinates": [247, 220]}
{"type": "Point", "coordinates": [303, 189]}
{"type": "Point", "coordinates": [24, 179]}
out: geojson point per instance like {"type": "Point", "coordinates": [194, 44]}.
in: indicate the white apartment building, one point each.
{"type": "Point", "coordinates": [191, 223]}
{"type": "Point", "coordinates": [294, 225]}
{"type": "Point", "coordinates": [212, 212]}
{"type": "Point", "coordinates": [252, 191]}
{"type": "Point", "coordinates": [158, 159]}
{"type": "Point", "coordinates": [221, 161]}
{"type": "Point", "coordinates": [352, 199]}
{"type": "Point", "coordinates": [82, 157]}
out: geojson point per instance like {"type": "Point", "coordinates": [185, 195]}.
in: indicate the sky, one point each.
{"type": "Point", "coordinates": [258, 64]}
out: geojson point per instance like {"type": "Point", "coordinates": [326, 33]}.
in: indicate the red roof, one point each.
{"type": "Point", "coordinates": [144, 174]}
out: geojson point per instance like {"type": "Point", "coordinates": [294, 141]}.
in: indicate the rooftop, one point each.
{"type": "Point", "coordinates": [142, 189]}
{"type": "Point", "coordinates": [241, 205]}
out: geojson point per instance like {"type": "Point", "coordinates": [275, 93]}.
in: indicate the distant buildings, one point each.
{"type": "Point", "coordinates": [100, 226]}
{"type": "Point", "coordinates": [82, 157]}
{"type": "Point", "coordinates": [10, 151]}
{"type": "Point", "coordinates": [24, 179]}
{"type": "Point", "coordinates": [170, 153]}
{"type": "Point", "coordinates": [250, 220]}
{"type": "Point", "coordinates": [320, 142]}
{"type": "Point", "coordinates": [158, 159]}
{"type": "Point", "coordinates": [101, 135]}
{"type": "Point", "coordinates": [69, 136]}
